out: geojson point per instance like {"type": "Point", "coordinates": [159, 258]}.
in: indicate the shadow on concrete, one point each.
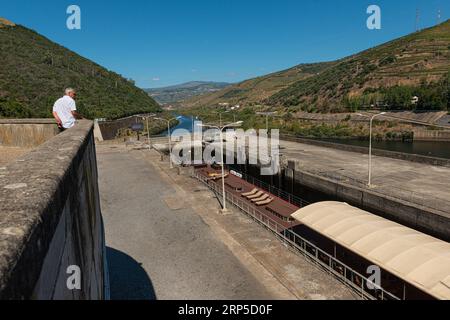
{"type": "Point", "coordinates": [128, 280]}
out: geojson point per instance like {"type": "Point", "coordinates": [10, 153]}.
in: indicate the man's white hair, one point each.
{"type": "Point", "coordinates": [69, 90]}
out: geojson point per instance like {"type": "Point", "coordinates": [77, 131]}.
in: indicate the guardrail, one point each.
{"type": "Point", "coordinates": [320, 258]}
{"type": "Point", "coordinates": [289, 197]}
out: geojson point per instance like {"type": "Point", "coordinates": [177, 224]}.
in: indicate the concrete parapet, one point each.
{"type": "Point", "coordinates": [50, 220]}
{"type": "Point", "coordinates": [26, 133]}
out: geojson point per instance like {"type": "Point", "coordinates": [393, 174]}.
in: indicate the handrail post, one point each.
{"type": "Point", "coordinates": [362, 288]}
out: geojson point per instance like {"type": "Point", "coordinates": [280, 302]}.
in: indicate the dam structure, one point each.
{"type": "Point", "coordinates": [406, 188]}
{"type": "Point", "coordinates": [409, 189]}
{"type": "Point", "coordinates": [82, 218]}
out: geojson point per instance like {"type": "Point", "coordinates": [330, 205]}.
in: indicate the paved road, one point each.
{"type": "Point", "coordinates": [158, 252]}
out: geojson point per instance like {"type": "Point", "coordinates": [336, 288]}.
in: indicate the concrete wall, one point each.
{"type": "Point", "coordinates": [109, 129]}
{"type": "Point", "coordinates": [50, 219]}
{"type": "Point", "coordinates": [431, 135]}
{"type": "Point", "coordinates": [26, 133]}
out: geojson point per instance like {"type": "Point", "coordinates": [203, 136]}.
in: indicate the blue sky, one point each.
{"type": "Point", "coordinates": [166, 42]}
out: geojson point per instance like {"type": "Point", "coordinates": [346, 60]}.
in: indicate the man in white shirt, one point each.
{"type": "Point", "coordinates": [64, 110]}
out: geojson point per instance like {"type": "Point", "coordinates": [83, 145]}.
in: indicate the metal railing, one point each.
{"type": "Point", "coordinates": [289, 197]}
{"type": "Point", "coordinates": [319, 257]}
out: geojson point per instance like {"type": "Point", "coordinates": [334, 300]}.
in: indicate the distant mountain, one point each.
{"type": "Point", "coordinates": [389, 74]}
{"type": "Point", "coordinates": [34, 72]}
{"type": "Point", "coordinates": [255, 90]}
{"type": "Point", "coordinates": [178, 93]}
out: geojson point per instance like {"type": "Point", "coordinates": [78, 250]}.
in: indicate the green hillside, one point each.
{"type": "Point", "coordinates": [386, 76]}
{"type": "Point", "coordinates": [34, 72]}
{"type": "Point", "coordinates": [254, 91]}
{"type": "Point", "coordinates": [390, 74]}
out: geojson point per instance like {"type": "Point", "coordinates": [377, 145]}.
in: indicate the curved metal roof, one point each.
{"type": "Point", "coordinates": [417, 258]}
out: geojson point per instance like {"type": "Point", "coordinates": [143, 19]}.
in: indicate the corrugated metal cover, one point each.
{"type": "Point", "coordinates": [417, 258]}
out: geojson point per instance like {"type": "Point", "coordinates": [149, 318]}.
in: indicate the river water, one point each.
{"type": "Point", "coordinates": [438, 149]}
{"type": "Point", "coordinates": [184, 123]}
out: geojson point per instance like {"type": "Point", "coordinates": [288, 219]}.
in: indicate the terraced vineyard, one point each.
{"type": "Point", "coordinates": [388, 75]}
{"type": "Point", "coordinates": [421, 59]}
{"type": "Point", "coordinates": [254, 91]}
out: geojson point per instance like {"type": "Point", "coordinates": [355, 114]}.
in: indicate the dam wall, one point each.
{"type": "Point", "coordinates": [26, 133]}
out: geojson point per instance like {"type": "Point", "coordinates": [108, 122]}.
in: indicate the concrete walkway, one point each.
{"type": "Point", "coordinates": [9, 154]}
{"type": "Point", "coordinates": [156, 251]}
{"type": "Point", "coordinates": [166, 240]}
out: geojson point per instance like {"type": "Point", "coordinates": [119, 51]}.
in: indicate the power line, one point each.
{"type": "Point", "coordinates": [417, 20]}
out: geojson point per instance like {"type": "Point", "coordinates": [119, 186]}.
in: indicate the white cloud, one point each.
{"type": "Point", "coordinates": [156, 79]}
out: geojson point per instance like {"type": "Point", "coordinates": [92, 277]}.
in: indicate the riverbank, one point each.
{"type": "Point", "coordinates": [389, 136]}
{"type": "Point", "coordinates": [396, 126]}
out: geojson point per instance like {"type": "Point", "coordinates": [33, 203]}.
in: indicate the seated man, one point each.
{"type": "Point", "coordinates": [64, 110]}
